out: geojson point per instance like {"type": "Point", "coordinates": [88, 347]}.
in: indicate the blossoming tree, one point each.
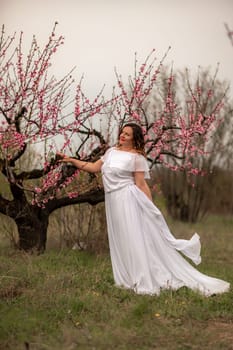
{"type": "Point", "coordinates": [37, 110]}
{"type": "Point", "coordinates": [187, 195]}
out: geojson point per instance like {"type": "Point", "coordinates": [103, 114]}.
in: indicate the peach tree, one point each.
{"type": "Point", "coordinates": [43, 114]}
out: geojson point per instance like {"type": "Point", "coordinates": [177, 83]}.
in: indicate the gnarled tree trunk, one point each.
{"type": "Point", "coordinates": [32, 221]}
{"type": "Point", "coordinates": [32, 225]}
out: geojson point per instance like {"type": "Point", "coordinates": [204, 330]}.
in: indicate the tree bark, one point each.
{"type": "Point", "coordinates": [32, 229]}
{"type": "Point", "coordinates": [32, 221]}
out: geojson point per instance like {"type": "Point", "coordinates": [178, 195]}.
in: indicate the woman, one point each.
{"type": "Point", "coordinates": [144, 254]}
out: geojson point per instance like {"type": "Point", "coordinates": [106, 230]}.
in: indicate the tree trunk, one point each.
{"type": "Point", "coordinates": [32, 229]}
{"type": "Point", "coordinates": [32, 221]}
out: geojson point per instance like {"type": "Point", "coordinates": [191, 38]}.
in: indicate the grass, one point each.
{"type": "Point", "coordinates": [67, 300]}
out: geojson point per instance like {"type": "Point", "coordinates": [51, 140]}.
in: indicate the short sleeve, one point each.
{"type": "Point", "coordinates": [141, 164]}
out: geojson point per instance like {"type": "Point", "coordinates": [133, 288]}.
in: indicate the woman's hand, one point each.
{"type": "Point", "coordinates": [60, 157]}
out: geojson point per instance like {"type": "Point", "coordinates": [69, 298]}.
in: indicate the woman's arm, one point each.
{"type": "Point", "coordinates": [142, 184]}
{"type": "Point", "coordinates": [80, 164]}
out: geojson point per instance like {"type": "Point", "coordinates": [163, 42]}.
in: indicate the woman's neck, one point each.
{"type": "Point", "coordinates": [126, 148]}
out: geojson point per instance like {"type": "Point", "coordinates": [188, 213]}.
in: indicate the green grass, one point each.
{"type": "Point", "coordinates": [67, 300]}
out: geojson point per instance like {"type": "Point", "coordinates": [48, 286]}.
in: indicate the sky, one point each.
{"type": "Point", "coordinates": [103, 34]}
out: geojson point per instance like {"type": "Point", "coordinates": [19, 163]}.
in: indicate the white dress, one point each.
{"type": "Point", "coordinates": [145, 255]}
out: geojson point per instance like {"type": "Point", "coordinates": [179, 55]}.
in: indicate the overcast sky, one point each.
{"type": "Point", "coordinates": [102, 34]}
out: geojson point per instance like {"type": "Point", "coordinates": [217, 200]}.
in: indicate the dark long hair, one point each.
{"type": "Point", "coordinates": [138, 137]}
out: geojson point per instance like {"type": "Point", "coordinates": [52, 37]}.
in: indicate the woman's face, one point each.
{"type": "Point", "coordinates": [126, 137]}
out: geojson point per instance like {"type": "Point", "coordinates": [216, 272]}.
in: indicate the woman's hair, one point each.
{"type": "Point", "coordinates": [138, 137]}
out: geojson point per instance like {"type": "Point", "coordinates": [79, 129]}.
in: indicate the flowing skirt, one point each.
{"type": "Point", "coordinates": [145, 256]}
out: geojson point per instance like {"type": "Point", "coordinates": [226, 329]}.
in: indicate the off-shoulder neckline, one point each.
{"type": "Point", "coordinates": [116, 149]}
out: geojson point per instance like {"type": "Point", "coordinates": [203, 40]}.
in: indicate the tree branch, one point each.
{"type": "Point", "coordinates": [92, 197]}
